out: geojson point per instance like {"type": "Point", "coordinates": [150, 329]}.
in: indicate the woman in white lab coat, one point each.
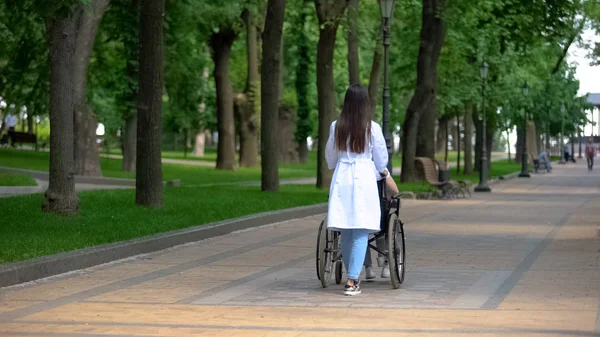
{"type": "Point", "coordinates": [355, 149]}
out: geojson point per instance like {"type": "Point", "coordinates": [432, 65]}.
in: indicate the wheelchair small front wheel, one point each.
{"type": "Point", "coordinates": [338, 271]}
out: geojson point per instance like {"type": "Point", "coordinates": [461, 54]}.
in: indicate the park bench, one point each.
{"type": "Point", "coordinates": [537, 164]}
{"type": "Point", "coordinates": [18, 137]}
{"type": "Point", "coordinates": [431, 175]}
{"type": "Point", "coordinates": [459, 186]}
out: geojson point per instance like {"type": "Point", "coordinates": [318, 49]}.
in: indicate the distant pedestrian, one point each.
{"type": "Point", "coordinates": [566, 152]}
{"type": "Point", "coordinates": [11, 122]}
{"type": "Point", "coordinates": [545, 158]}
{"type": "Point", "coordinates": [590, 153]}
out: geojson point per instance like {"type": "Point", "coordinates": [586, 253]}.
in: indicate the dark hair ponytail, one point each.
{"type": "Point", "coordinates": [353, 128]}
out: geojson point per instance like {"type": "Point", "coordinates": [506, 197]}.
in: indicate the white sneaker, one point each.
{"type": "Point", "coordinates": [385, 272]}
{"type": "Point", "coordinates": [370, 273]}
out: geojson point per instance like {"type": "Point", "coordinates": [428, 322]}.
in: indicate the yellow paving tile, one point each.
{"type": "Point", "coordinates": [328, 318]}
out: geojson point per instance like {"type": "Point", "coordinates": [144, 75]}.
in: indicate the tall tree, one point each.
{"type": "Point", "coordinates": [353, 61]}
{"type": "Point", "coordinates": [87, 160]}
{"type": "Point", "coordinates": [221, 42]}
{"type": "Point", "coordinates": [303, 123]}
{"type": "Point", "coordinates": [270, 92]}
{"type": "Point", "coordinates": [129, 97]}
{"type": "Point", "coordinates": [329, 14]}
{"type": "Point", "coordinates": [468, 121]}
{"type": "Point", "coordinates": [433, 15]}
{"type": "Point", "coordinates": [247, 103]}
{"type": "Point", "coordinates": [376, 68]}
{"type": "Point", "coordinates": [61, 25]}
{"type": "Point", "coordinates": [148, 161]}
{"type": "Point", "coordinates": [417, 134]}
{"type": "Point", "coordinates": [458, 143]}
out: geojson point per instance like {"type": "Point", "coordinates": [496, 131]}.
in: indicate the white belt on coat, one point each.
{"type": "Point", "coordinates": [353, 161]}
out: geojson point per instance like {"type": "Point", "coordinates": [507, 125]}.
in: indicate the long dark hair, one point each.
{"type": "Point", "coordinates": [354, 124]}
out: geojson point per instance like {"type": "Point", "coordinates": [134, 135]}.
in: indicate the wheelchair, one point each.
{"type": "Point", "coordinates": [329, 254]}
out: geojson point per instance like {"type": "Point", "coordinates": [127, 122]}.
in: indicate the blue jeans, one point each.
{"type": "Point", "coordinates": [354, 245]}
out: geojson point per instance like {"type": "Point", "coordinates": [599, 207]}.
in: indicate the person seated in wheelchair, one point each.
{"type": "Point", "coordinates": [391, 190]}
{"type": "Point", "coordinates": [355, 149]}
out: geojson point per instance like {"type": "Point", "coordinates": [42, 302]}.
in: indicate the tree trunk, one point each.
{"type": "Point", "coordinates": [353, 60]}
{"type": "Point", "coordinates": [458, 144]}
{"type": "Point", "coordinates": [29, 124]}
{"type": "Point", "coordinates": [270, 90]}
{"type": "Point", "coordinates": [538, 134]}
{"type": "Point", "coordinates": [326, 98]}
{"type": "Point", "coordinates": [129, 137]}
{"type": "Point", "coordinates": [468, 121]}
{"type": "Point", "coordinates": [246, 115]}
{"type": "Point", "coordinates": [303, 123]}
{"type": "Point", "coordinates": [199, 144]}
{"type": "Point", "coordinates": [286, 128]}
{"type": "Point", "coordinates": [548, 134]}
{"type": "Point", "coordinates": [375, 76]}
{"type": "Point", "coordinates": [446, 141]}
{"type": "Point", "coordinates": [426, 133]}
{"type": "Point", "coordinates": [149, 185]}
{"type": "Point", "coordinates": [60, 198]}
{"type": "Point", "coordinates": [519, 145]}
{"type": "Point", "coordinates": [129, 98]}
{"type": "Point", "coordinates": [478, 139]}
{"type": "Point", "coordinates": [200, 140]}
{"type": "Point", "coordinates": [508, 146]}
{"type": "Point", "coordinates": [417, 135]}
{"type": "Point", "coordinates": [87, 158]}
{"type": "Point", "coordinates": [489, 143]}
{"type": "Point", "coordinates": [442, 136]}
{"type": "Point", "coordinates": [221, 43]}
{"type": "Point", "coordinates": [329, 14]}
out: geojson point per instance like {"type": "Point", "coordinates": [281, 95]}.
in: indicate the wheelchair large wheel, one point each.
{"type": "Point", "coordinates": [319, 248]}
{"type": "Point", "coordinates": [327, 242]}
{"type": "Point", "coordinates": [396, 251]}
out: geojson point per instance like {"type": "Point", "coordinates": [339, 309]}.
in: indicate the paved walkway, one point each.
{"type": "Point", "coordinates": [521, 261]}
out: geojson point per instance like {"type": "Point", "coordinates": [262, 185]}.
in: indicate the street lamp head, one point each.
{"type": "Point", "coordinates": [484, 70]}
{"type": "Point", "coordinates": [525, 89]}
{"type": "Point", "coordinates": [387, 8]}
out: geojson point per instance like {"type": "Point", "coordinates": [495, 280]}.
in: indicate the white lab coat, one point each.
{"type": "Point", "coordinates": [353, 195]}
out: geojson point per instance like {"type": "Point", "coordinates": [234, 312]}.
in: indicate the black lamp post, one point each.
{"type": "Point", "coordinates": [524, 171]}
{"type": "Point", "coordinates": [387, 9]}
{"type": "Point", "coordinates": [483, 171]}
{"type": "Point", "coordinates": [562, 134]}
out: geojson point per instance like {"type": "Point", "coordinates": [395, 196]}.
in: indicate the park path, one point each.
{"type": "Point", "coordinates": [169, 160]}
{"type": "Point", "coordinates": [523, 260]}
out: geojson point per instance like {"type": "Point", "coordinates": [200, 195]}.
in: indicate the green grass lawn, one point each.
{"type": "Point", "coordinates": [111, 216]}
{"type": "Point", "coordinates": [210, 154]}
{"type": "Point", "coordinates": [189, 174]}
{"type": "Point", "coordinates": [11, 179]}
